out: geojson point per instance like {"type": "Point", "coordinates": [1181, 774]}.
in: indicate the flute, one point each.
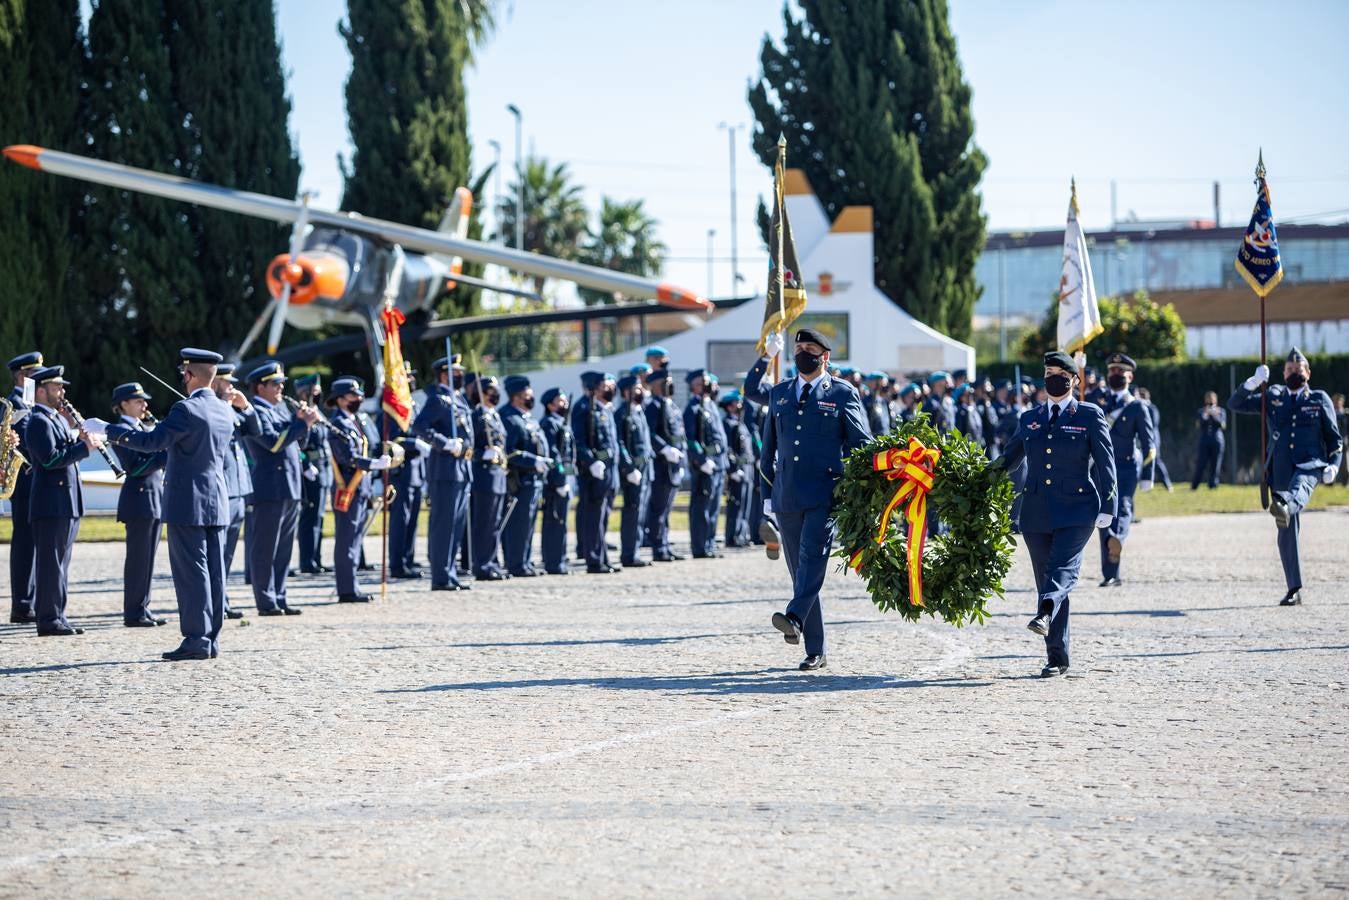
{"type": "Point", "coordinates": [78, 419]}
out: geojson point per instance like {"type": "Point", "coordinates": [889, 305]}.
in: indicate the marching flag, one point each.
{"type": "Point", "coordinates": [397, 397]}
{"type": "Point", "coordinates": [1258, 257]}
{"type": "Point", "coordinates": [786, 296]}
{"type": "Point", "coordinates": [1079, 314]}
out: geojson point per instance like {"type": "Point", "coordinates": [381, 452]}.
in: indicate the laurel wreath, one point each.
{"type": "Point", "coordinates": [965, 562]}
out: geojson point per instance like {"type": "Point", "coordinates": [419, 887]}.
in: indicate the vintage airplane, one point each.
{"type": "Point", "coordinates": [342, 270]}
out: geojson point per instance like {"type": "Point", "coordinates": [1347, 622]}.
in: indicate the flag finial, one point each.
{"type": "Point", "coordinates": [1260, 164]}
{"type": "Point", "coordinates": [782, 141]}
{"type": "Point", "coordinates": [1073, 199]}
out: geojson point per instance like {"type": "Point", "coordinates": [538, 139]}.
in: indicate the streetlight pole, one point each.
{"type": "Point", "coordinates": [711, 234]}
{"type": "Point", "coordinates": [496, 189]}
{"type": "Point", "coordinates": [519, 179]}
{"type": "Point", "coordinates": [735, 257]}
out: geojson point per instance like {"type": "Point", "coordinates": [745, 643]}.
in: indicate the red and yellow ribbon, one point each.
{"type": "Point", "coordinates": [915, 466]}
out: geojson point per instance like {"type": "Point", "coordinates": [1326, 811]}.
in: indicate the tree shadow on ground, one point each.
{"type": "Point", "coordinates": [1170, 653]}
{"type": "Point", "coordinates": [60, 667]}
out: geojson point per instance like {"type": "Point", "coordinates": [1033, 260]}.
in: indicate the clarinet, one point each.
{"type": "Point", "coordinates": [74, 414]}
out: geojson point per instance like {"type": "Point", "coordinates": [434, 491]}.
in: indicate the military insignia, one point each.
{"type": "Point", "coordinates": [1034, 425]}
{"type": "Point", "coordinates": [782, 401]}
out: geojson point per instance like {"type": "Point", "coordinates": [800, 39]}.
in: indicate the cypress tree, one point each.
{"type": "Point", "coordinates": [41, 63]}
{"type": "Point", "coordinates": [873, 103]}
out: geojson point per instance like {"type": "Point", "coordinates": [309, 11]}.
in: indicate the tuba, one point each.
{"type": "Point", "coordinates": [11, 460]}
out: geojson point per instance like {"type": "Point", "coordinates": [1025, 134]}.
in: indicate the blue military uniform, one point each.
{"type": "Point", "coordinates": [969, 419]}
{"type": "Point", "coordinates": [22, 581]}
{"type": "Point", "coordinates": [489, 485]}
{"type": "Point", "coordinates": [941, 411]}
{"type": "Point", "coordinates": [592, 426]}
{"type": "Point", "coordinates": [529, 462]}
{"type": "Point", "coordinates": [1135, 446]}
{"type": "Point", "coordinates": [707, 444]}
{"type": "Point", "coordinates": [196, 433]}
{"type": "Point", "coordinates": [812, 428]}
{"type": "Point", "coordinates": [445, 422]}
{"type": "Point", "coordinates": [353, 485]}
{"type": "Point", "coordinates": [55, 505]}
{"type": "Point", "coordinates": [740, 466]}
{"type": "Point", "coordinates": [557, 487]}
{"type": "Point", "coordinates": [1071, 482]}
{"type": "Point", "coordinates": [409, 483]}
{"type": "Point", "coordinates": [878, 409]}
{"type": "Point", "coordinates": [138, 507]}
{"type": "Point", "coordinates": [316, 484]}
{"type": "Point", "coordinates": [275, 450]}
{"type": "Point", "coordinates": [238, 477]}
{"type": "Point", "coordinates": [1305, 445]}
{"type": "Point", "coordinates": [635, 455]}
{"type": "Point", "coordinates": [670, 448]}
{"type": "Point", "coordinates": [1212, 424]}
{"type": "Point", "coordinates": [754, 416]}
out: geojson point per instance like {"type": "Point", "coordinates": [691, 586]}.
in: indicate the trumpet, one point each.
{"type": "Point", "coordinates": [78, 419]}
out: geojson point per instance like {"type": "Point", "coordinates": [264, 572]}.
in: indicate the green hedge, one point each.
{"type": "Point", "coordinates": [1178, 390]}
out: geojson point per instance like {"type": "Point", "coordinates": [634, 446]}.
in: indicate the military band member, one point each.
{"type": "Point", "coordinates": [354, 458]}
{"type": "Point", "coordinates": [707, 458]}
{"type": "Point", "coordinates": [529, 462]}
{"type": "Point", "coordinates": [316, 481]}
{"type": "Point", "coordinates": [409, 483]}
{"type": "Point", "coordinates": [238, 471]}
{"type": "Point", "coordinates": [592, 426]}
{"type": "Point", "coordinates": [1211, 420]}
{"type": "Point", "coordinates": [138, 507]}
{"type": "Point", "coordinates": [445, 422]}
{"type": "Point", "coordinates": [1069, 493]}
{"type": "Point", "coordinates": [1135, 446]}
{"type": "Point", "coordinates": [57, 499]}
{"type": "Point", "coordinates": [22, 574]}
{"type": "Point", "coordinates": [739, 469]}
{"type": "Point", "coordinates": [636, 468]}
{"type": "Point", "coordinates": [670, 445]}
{"type": "Point", "coordinates": [196, 433]}
{"type": "Point", "coordinates": [557, 490]}
{"type": "Point", "coordinates": [276, 488]}
{"type": "Point", "coordinates": [1304, 447]}
{"type": "Point", "coordinates": [814, 423]}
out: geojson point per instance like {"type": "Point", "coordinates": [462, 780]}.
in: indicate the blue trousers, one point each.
{"type": "Point", "coordinates": [807, 538]}
{"type": "Point", "coordinates": [249, 531]}
{"type": "Point", "coordinates": [517, 538]}
{"type": "Point", "coordinates": [197, 560]}
{"type": "Point", "coordinates": [636, 504]}
{"type": "Point", "coordinates": [704, 508]}
{"type": "Point", "coordinates": [755, 505]}
{"type": "Point", "coordinates": [449, 509]}
{"type": "Point", "coordinates": [592, 520]}
{"type": "Point", "coordinates": [142, 542]}
{"type": "Point", "coordinates": [403, 514]}
{"type": "Point", "coordinates": [659, 507]}
{"type": "Point", "coordinates": [1018, 476]}
{"type": "Point", "coordinates": [553, 532]}
{"type": "Point", "coordinates": [1127, 473]}
{"type": "Point", "coordinates": [1298, 495]}
{"type": "Point", "coordinates": [313, 500]}
{"type": "Point", "coordinates": [52, 540]}
{"type": "Point", "coordinates": [273, 541]}
{"type": "Point", "coordinates": [738, 509]}
{"type": "Point", "coordinates": [347, 552]}
{"type": "Point", "coordinates": [232, 539]}
{"type": "Point", "coordinates": [22, 573]}
{"type": "Point", "coordinates": [1056, 558]}
{"type": "Point", "coordinates": [1208, 467]}
{"type": "Point", "coordinates": [488, 510]}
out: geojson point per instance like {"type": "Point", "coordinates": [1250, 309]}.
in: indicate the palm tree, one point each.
{"type": "Point", "coordinates": [555, 220]}
{"type": "Point", "coordinates": [625, 242]}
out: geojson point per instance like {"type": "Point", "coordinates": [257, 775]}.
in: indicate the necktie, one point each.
{"type": "Point", "coordinates": [1053, 416]}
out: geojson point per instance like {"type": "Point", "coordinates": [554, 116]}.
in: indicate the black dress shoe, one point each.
{"type": "Point", "coordinates": [1111, 582]}
{"type": "Point", "coordinates": [600, 570]}
{"type": "Point", "coordinates": [291, 573]}
{"type": "Point", "coordinates": [677, 556]}
{"type": "Point", "coordinates": [1279, 511]}
{"type": "Point", "coordinates": [1039, 625]}
{"type": "Point", "coordinates": [636, 564]}
{"type": "Point", "coordinates": [490, 575]}
{"type": "Point", "coordinates": [61, 631]}
{"type": "Point", "coordinates": [278, 611]}
{"type": "Point", "coordinates": [1292, 598]}
{"type": "Point", "coordinates": [411, 574]}
{"type": "Point", "coordinates": [558, 571]}
{"type": "Point", "coordinates": [234, 614]}
{"type": "Point", "coordinates": [354, 598]}
{"type": "Point", "coordinates": [789, 625]}
{"type": "Point", "coordinates": [291, 611]}
{"type": "Point", "coordinates": [662, 557]}
{"type": "Point", "coordinates": [180, 654]}
{"type": "Point", "coordinates": [811, 663]}
{"type": "Point", "coordinates": [143, 623]}
{"type": "Point", "coordinates": [525, 573]}
{"type": "Point", "coordinates": [308, 570]}
{"type": "Point", "coordinates": [770, 538]}
{"type": "Point", "coordinates": [22, 618]}
{"type": "Point", "coordinates": [1053, 671]}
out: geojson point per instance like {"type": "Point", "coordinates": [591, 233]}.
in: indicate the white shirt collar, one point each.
{"type": "Point", "coordinates": [130, 421]}
{"type": "Point", "coordinates": [803, 384]}
{"type": "Point", "coordinates": [49, 410]}
{"type": "Point", "coordinates": [1061, 405]}
{"type": "Point", "coordinates": [1122, 395]}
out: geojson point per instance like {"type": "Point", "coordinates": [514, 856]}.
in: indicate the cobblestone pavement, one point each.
{"type": "Point", "coordinates": [647, 734]}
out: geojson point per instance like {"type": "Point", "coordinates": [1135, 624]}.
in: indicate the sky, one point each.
{"type": "Point", "coordinates": [1163, 99]}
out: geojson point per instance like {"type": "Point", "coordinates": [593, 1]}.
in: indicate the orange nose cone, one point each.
{"type": "Point", "coordinates": [682, 299]}
{"type": "Point", "coordinates": [24, 155]}
{"type": "Point", "coordinates": [293, 272]}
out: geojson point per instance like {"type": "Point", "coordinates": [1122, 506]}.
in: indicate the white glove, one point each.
{"type": "Point", "coordinates": [95, 427]}
{"type": "Point", "coordinates": [1260, 377]}
{"type": "Point", "coordinates": [1329, 473]}
{"type": "Point", "coordinates": [737, 475]}
{"type": "Point", "coordinates": [1145, 486]}
{"type": "Point", "coordinates": [540, 465]}
{"type": "Point", "coordinates": [564, 490]}
{"type": "Point", "coordinates": [671, 454]}
{"type": "Point", "coordinates": [1103, 520]}
{"type": "Point", "coordinates": [597, 469]}
{"type": "Point", "coordinates": [455, 446]}
{"type": "Point", "coordinates": [422, 446]}
{"type": "Point", "coordinates": [634, 477]}
{"type": "Point", "coordinates": [708, 467]}
{"type": "Point", "coordinates": [311, 472]}
{"type": "Point", "coordinates": [490, 454]}
{"type": "Point", "coordinates": [768, 507]}
{"type": "Point", "coordinates": [773, 346]}
{"type": "Point", "coordinates": [381, 463]}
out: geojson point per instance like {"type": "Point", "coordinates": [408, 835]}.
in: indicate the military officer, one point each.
{"type": "Point", "coordinates": [196, 433]}
{"type": "Point", "coordinates": [529, 461]}
{"type": "Point", "coordinates": [445, 422]}
{"type": "Point", "coordinates": [1155, 414]}
{"type": "Point", "coordinates": [409, 483]}
{"type": "Point", "coordinates": [316, 482]}
{"type": "Point", "coordinates": [276, 488]}
{"type": "Point", "coordinates": [238, 471]}
{"type": "Point", "coordinates": [353, 458]}
{"type": "Point", "coordinates": [968, 420]}
{"type": "Point", "coordinates": [56, 502]}
{"type": "Point", "coordinates": [753, 415]}
{"type": "Point", "coordinates": [489, 482]}
{"type": "Point", "coordinates": [707, 457]}
{"type": "Point", "coordinates": [814, 422]}
{"type": "Point", "coordinates": [1135, 446]}
{"type": "Point", "coordinates": [1212, 422]}
{"type": "Point", "coordinates": [910, 397]}
{"type": "Point", "coordinates": [1305, 446]}
{"type": "Point", "coordinates": [1069, 493]}
{"type": "Point", "coordinates": [557, 488]}
{"type": "Point", "coordinates": [877, 403]}
{"type": "Point", "coordinates": [739, 469]}
{"type": "Point", "coordinates": [138, 506]}
{"type": "Point", "coordinates": [938, 404]}
{"type": "Point", "coordinates": [23, 584]}
{"type": "Point", "coordinates": [670, 445]}
{"type": "Point", "coordinates": [657, 357]}
{"type": "Point", "coordinates": [636, 468]}
{"type": "Point", "coordinates": [596, 437]}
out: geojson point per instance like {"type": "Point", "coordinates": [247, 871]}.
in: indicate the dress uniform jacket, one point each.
{"type": "Point", "coordinates": [707, 442]}
{"type": "Point", "coordinates": [525, 447]}
{"type": "Point", "coordinates": [1304, 437]}
{"type": "Point", "coordinates": [444, 416]}
{"type": "Point", "coordinates": [55, 455]}
{"type": "Point", "coordinates": [562, 449]}
{"type": "Point", "coordinates": [635, 454]}
{"type": "Point", "coordinates": [275, 450]}
{"type": "Point", "coordinates": [23, 588]}
{"type": "Point", "coordinates": [592, 427]}
{"type": "Point", "coordinates": [143, 485]}
{"type": "Point", "coordinates": [667, 430]}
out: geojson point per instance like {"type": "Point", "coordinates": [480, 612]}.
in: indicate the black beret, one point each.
{"type": "Point", "coordinates": [814, 337]}
{"type": "Point", "coordinates": [1060, 359]}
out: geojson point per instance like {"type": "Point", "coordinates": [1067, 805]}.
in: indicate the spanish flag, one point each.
{"type": "Point", "coordinates": [1258, 257]}
{"type": "Point", "coordinates": [397, 397]}
{"type": "Point", "coordinates": [786, 296]}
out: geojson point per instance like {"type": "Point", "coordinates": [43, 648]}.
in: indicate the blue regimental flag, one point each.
{"type": "Point", "coordinates": [1258, 259]}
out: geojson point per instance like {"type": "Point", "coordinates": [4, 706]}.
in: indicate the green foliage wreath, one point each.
{"type": "Point", "coordinates": [963, 568]}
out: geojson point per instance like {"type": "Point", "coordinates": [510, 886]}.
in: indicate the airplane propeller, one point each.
{"type": "Point", "coordinates": [292, 274]}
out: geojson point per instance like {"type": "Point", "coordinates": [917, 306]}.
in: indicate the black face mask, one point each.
{"type": "Point", "coordinates": [807, 363]}
{"type": "Point", "coordinates": [1057, 385]}
{"type": "Point", "coordinates": [457, 381]}
{"type": "Point", "coordinates": [1116, 381]}
{"type": "Point", "coordinates": [529, 402]}
{"type": "Point", "coordinates": [1295, 381]}
{"type": "Point", "coordinates": [491, 398]}
{"type": "Point", "coordinates": [607, 394]}
{"type": "Point", "coordinates": [353, 406]}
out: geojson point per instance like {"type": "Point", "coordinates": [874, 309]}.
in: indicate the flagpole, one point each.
{"type": "Point", "coordinates": [384, 507]}
{"type": "Point", "coordinates": [1264, 391]}
{"type": "Point", "coordinates": [779, 172]}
